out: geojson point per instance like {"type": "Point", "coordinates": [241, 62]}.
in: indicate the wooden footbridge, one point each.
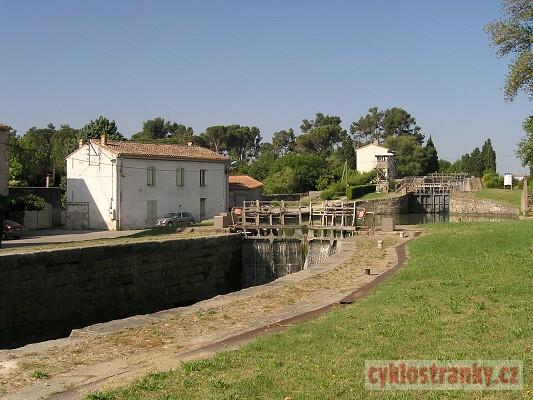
{"type": "Point", "coordinates": [315, 221]}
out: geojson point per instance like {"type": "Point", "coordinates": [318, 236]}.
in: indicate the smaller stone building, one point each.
{"type": "Point", "coordinates": [243, 188]}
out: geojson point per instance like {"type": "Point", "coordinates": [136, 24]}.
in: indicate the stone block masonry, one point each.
{"type": "Point", "coordinates": [398, 204]}
{"type": "Point", "coordinates": [467, 204]}
{"type": "Point", "coordinates": [46, 294]}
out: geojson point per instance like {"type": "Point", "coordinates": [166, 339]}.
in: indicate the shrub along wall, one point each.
{"type": "Point", "coordinates": [47, 294]}
{"type": "Point", "coordinates": [353, 192]}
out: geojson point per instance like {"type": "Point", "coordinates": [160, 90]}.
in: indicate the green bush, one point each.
{"type": "Point", "coordinates": [353, 192]}
{"type": "Point", "coordinates": [339, 188]}
{"type": "Point", "coordinates": [356, 178]}
{"type": "Point", "coordinates": [492, 180]}
{"type": "Point", "coordinates": [13, 207]}
{"type": "Point", "coordinates": [327, 194]}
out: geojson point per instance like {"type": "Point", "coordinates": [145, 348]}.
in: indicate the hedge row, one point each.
{"type": "Point", "coordinates": [353, 192]}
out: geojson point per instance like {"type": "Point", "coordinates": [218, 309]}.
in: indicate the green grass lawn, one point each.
{"type": "Point", "coordinates": [507, 196]}
{"type": "Point", "coordinates": [373, 195]}
{"type": "Point", "coordinates": [466, 293]}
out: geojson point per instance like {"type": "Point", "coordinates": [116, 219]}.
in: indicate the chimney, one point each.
{"type": "Point", "coordinates": [103, 139]}
{"type": "Point", "coordinates": [189, 143]}
{"type": "Point", "coordinates": [80, 144]}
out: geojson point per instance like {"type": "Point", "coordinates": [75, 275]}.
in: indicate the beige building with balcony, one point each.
{"type": "Point", "coordinates": [373, 156]}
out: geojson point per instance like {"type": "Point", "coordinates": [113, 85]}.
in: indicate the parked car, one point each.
{"type": "Point", "coordinates": [12, 229]}
{"type": "Point", "coordinates": [175, 218]}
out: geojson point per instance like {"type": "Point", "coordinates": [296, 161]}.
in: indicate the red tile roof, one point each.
{"type": "Point", "coordinates": [157, 150]}
{"type": "Point", "coordinates": [243, 182]}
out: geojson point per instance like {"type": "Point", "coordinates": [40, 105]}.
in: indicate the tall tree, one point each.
{"type": "Point", "coordinates": [525, 147]}
{"type": "Point", "coordinates": [260, 168]}
{"type": "Point", "coordinates": [41, 152]}
{"type": "Point", "coordinates": [398, 122]}
{"type": "Point", "coordinates": [37, 145]}
{"type": "Point", "coordinates": [489, 157]}
{"type": "Point", "coordinates": [284, 142]}
{"type": "Point", "coordinates": [19, 156]}
{"type": "Point", "coordinates": [243, 142]}
{"type": "Point", "coordinates": [301, 170]}
{"type": "Point", "coordinates": [513, 35]}
{"type": "Point", "coordinates": [159, 130]}
{"type": "Point", "coordinates": [369, 128]}
{"type": "Point", "coordinates": [409, 155]}
{"type": "Point", "coordinates": [321, 135]}
{"type": "Point", "coordinates": [477, 165]}
{"type": "Point", "coordinates": [346, 153]}
{"type": "Point", "coordinates": [431, 159]}
{"type": "Point", "coordinates": [379, 125]}
{"type": "Point", "coordinates": [465, 164]}
{"type": "Point", "coordinates": [101, 125]}
{"type": "Point", "coordinates": [153, 129]}
{"type": "Point", "coordinates": [215, 137]}
{"type": "Point", "coordinates": [321, 140]}
{"type": "Point", "coordinates": [320, 120]}
{"type": "Point", "coordinates": [64, 142]}
{"type": "Point", "coordinates": [179, 133]}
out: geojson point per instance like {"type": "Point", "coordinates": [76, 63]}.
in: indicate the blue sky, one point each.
{"type": "Point", "coordinates": [268, 64]}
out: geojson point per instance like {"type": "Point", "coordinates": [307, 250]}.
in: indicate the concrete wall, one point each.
{"type": "Point", "coordinates": [35, 219]}
{"type": "Point", "coordinates": [525, 199]}
{"type": "Point", "coordinates": [236, 197]}
{"type": "Point", "coordinates": [390, 205]}
{"type": "Point", "coordinates": [47, 294]}
{"type": "Point", "coordinates": [467, 204]}
{"type": "Point", "coordinates": [4, 174]}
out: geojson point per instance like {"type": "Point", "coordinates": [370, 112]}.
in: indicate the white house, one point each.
{"type": "Point", "coordinates": [373, 156]}
{"type": "Point", "coordinates": [119, 185]}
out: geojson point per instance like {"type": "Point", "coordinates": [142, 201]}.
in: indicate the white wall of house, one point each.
{"type": "Point", "coordinates": [120, 196]}
{"type": "Point", "coordinates": [141, 204]}
{"type": "Point", "coordinates": [91, 179]}
{"type": "Point", "coordinates": [367, 160]}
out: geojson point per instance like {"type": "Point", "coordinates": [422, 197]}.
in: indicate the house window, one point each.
{"type": "Point", "coordinates": [202, 177]}
{"type": "Point", "coordinates": [150, 178]}
{"type": "Point", "coordinates": [179, 176]}
{"type": "Point", "coordinates": [151, 210]}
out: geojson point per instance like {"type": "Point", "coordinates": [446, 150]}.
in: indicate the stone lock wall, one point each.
{"type": "Point", "coordinates": [389, 205]}
{"type": "Point", "coordinates": [47, 294]}
{"type": "Point", "coordinates": [466, 204]}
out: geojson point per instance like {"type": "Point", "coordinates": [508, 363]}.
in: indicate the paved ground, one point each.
{"type": "Point", "coordinates": [48, 236]}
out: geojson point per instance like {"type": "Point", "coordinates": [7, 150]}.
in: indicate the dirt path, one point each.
{"type": "Point", "coordinates": [115, 353]}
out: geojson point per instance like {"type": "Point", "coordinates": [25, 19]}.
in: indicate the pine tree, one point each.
{"type": "Point", "coordinates": [489, 157]}
{"type": "Point", "coordinates": [431, 162]}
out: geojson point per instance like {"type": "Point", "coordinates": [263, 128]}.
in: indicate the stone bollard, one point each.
{"type": "Point", "coordinates": [402, 235]}
{"type": "Point", "coordinates": [380, 244]}
{"type": "Point", "coordinates": [367, 271]}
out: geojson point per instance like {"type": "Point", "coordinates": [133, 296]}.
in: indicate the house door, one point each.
{"type": "Point", "coordinates": [202, 209]}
